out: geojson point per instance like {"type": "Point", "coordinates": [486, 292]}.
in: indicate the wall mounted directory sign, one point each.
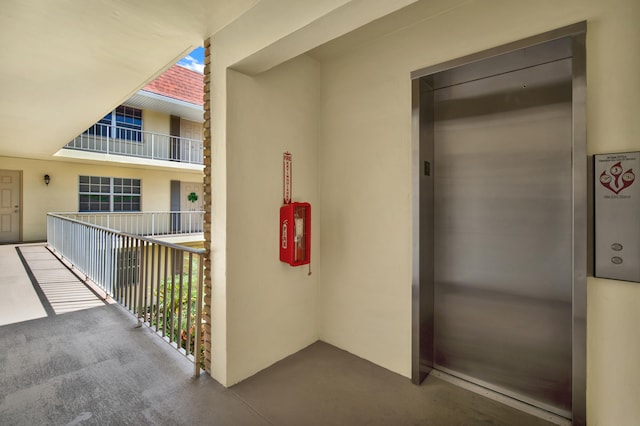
{"type": "Point", "coordinates": [617, 216]}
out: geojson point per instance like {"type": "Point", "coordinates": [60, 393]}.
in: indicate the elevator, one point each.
{"type": "Point", "coordinates": [499, 222]}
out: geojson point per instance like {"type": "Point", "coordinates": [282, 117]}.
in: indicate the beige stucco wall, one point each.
{"type": "Point", "coordinates": [263, 310]}
{"type": "Point", "coordinates": [62, 193]}
{"type": "Point", "coordinates": [159, 122]}
{"type": "Point", "coordinates": [281, 300]}
{"type": "Point", "coordinates": [365, 154]}
{"type": "Point", "coordinates": [156, 122]}
{"type": "Point", "coordinates": [255, 119]}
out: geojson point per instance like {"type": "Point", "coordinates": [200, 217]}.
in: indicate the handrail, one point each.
{"type": "Point", "coordinates": [109, 139]}
{"type": "Point", "coordinates": [155, 223]}
{"type": "Point", "coordinates": [159, 282]}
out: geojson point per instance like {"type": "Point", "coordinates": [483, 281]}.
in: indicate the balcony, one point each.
{"type": "Point", "coordinates": [158, 282]}
{"type": "Point", "coordinates": [158, 225]}
{"type": "Point", "coordinates": [114, 140]}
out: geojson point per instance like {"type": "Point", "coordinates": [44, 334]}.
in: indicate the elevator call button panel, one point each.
{"type": "Point", "coordinates": [617, 216]}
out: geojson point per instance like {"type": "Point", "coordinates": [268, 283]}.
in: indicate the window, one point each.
{"type": "Point", "coordinates": [123, 123]}
{"type": "Point", "coordinates": [128, 122]}
{"type": "Point", "coordinates": [107, 194]}
{"type": "Point", "coordinates": [126, 195]}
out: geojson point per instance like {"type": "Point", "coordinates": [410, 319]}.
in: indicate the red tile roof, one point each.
{"type": "Point", "coordinates": [179, 83]}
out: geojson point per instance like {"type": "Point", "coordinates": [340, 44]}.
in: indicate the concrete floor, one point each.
{"type": "Point", "coordinates": [19, 301]}
{"type": "Point", "coordinates": [94, 367]}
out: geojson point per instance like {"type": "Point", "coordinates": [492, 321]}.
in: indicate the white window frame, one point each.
{"type": "Point", "coordinates": [112, 194]}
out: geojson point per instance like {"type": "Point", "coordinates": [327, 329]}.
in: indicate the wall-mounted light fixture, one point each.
{"type": "Point", "coordinates": [47, 179]}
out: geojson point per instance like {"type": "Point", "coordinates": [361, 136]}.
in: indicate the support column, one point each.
{"type": "Point", "coordinates": [206, 313]}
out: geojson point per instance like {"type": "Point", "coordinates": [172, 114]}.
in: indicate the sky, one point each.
{"type": "Point", "coordinates": [194, 60]}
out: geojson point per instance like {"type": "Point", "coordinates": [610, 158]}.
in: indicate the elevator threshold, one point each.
{"type": "Point", "coordinates": [501, 398]}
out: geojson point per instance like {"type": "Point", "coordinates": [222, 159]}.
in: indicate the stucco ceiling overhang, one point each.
{"type": "Point", "coordinates": [66, 63]}
{"type": "Point", "coordinates": [153, 101]}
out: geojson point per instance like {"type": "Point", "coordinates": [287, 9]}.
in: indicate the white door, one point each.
{"type": "Point", "coordinates": [191, 149]}
{"type": "Point", "coordinates": [191, 194]}
{"type": "Point", "coordinates": [191, 200]}
{"type": "Point", "coordinates": [9, 206]}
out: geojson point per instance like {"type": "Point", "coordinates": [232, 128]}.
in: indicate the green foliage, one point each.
{"type": "Point", "coordinates": [173, 305]}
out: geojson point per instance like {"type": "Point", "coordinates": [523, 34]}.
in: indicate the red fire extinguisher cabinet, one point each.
{"type": "Point", "coordinates": [295, 233]}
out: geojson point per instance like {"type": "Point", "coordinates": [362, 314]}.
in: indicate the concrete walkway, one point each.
{"type": "Point", "coordinates": [61, 288]}
{"type": "Point", "coordinates": [93, 366]}
{"type": "Point", "coordinates": [35, 284]}
{"type": "Point", "coordinates": [19, 301]}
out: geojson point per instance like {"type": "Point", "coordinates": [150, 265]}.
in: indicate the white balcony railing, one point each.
{"type": "Point", "coordinates": [107, 139]}
{"type": "Point", "coordinates": [146, 224]}
{"type": "Point", "coordinates": [160, 283]}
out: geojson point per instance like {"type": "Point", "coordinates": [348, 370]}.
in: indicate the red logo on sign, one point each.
{"type": "Point", "coordinates": [617, 181]}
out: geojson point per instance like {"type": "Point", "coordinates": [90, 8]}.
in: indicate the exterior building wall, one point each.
{"type": "Point", "coordinates": [281, 298]}
{"type": "Point", "coordinates": [156, 122]}
{"type": "Point", "coordinates": [61, 195]}
{"type": "Point", "coordinates": [359, 108]}
{"type": "Point", "coordinates": [244, 161]}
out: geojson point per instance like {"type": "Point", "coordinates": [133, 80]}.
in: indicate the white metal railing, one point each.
{"type": "Point", "coordinates": [108, 139]}
{"type": "Point", "coordinates": [160, 283]}
{"type": "Point", "coordinates": [149, 224]}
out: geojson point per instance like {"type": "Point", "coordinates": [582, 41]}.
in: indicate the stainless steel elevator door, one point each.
{"type": "Point", "coordinates": [503, 233]}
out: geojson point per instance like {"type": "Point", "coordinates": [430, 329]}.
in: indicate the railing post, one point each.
{"type": "Point", "coordinates": [190, 323]}
{"type": "Point", "coordinates": [153, 144]}
{"type": "Point", "coordinates": [114, 260]}
{"type": "Point", "coordinates": [198, 324]}
{"type": "Point", "coordinates": [142, 265]}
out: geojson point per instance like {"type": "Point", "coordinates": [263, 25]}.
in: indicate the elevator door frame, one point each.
{"type": "Point", "coordinates": [422, 207]}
